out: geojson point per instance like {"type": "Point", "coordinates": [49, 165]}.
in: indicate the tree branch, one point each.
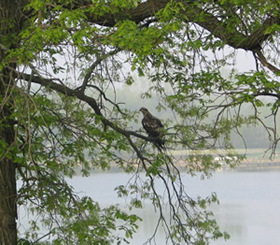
{"type": "Point", "coordinates": [94, 65]}
{"type": "Point", "coordinates": [138, 14]}
{"type": "Point", "coordinates": [267, 94]}
{"type": "Point", "coordinates": [230, 35]}
{"type": "Point", "coordinates": [265, 63]}
{"type": "Point", "coordinates": [192, 13]}
{"type": "Point", "coordinates": [62, 88]}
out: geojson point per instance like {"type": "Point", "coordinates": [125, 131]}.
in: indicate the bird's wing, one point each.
{"type": "Point", "coordinates": [152, 125]}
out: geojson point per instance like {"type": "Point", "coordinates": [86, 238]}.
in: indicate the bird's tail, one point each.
{"type": "Point", "coordinates": [160, 144]}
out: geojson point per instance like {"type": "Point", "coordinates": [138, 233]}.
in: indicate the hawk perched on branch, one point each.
{"type": "Point", "coordinates": [153, 127]}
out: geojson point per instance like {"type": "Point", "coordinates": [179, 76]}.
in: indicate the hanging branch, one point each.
{"type": "Point", "coordinates": [264, 62]}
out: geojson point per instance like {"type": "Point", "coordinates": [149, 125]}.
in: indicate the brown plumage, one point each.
{"type": "Point", "coordinates": [153, 127]}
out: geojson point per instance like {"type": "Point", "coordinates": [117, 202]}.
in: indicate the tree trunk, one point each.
{"type": "Point", "coordinates": [8, 190]}
{"type": "Point", "coordinates": [9, 28]}
{"type": "Point", "coordinates": [8, 211]}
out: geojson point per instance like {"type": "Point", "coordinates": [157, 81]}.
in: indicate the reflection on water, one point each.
{"type": "Point", "coordinates": [249, 203]}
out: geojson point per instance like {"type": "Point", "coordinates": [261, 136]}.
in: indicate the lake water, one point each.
{"type": "Point", "coordinates": [249, 207]}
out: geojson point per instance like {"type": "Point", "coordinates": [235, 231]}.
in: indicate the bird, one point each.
{"type": "Point", "coordinates": [153, 127]}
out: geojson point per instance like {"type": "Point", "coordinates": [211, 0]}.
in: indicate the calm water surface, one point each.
{"type": "Point", "coordinates": [249, 203]}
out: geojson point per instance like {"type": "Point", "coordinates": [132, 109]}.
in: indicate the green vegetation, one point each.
{"type": "Point", "coordinates": [63, 67]}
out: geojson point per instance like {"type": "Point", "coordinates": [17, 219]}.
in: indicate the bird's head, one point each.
{"type": "Point", "coordinates": [144, 110]}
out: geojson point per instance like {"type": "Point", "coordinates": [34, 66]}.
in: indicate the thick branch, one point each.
{"type": "Point", "coordinates": [141, 12]}
{"type": "Point", "coordinates": [193, 13]}
{"type": "Point", "coordinates": [256, 38]}
{"type": "Point", "coordinates": [229, 34]}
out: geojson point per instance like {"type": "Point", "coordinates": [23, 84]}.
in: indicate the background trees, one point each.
{"type": "Point", "coordinates": [60, 60]}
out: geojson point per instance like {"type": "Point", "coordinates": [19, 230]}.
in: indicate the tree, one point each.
{"type": "Point", "coordinates": [58, 60]}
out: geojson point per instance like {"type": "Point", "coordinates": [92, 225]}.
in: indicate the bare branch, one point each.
{"type": "Point", "coordinates": [93, 66]}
